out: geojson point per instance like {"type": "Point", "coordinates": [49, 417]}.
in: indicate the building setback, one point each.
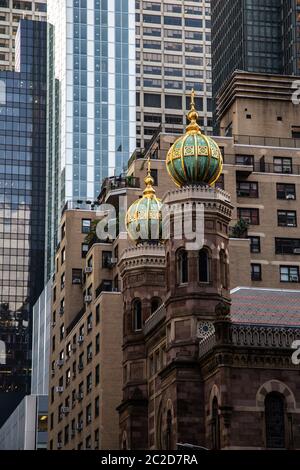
{"type": "Point", "coordinates": [172, 57]}
{"type": "Point", "coordinates": [91, 101]}
{"type": "Point", "coordinates": [22, 206]}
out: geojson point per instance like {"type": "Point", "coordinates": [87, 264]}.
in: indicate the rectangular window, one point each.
{"type": "Point", "coordinates": [244, 160]}
{"type": "Point", "coordinates": [287, 218]}
{"type": "Point", "coordinates": [255, 245]}
{"type": "Point", "coordinates": [247, 189]}
{"type": "Point", "coordinates": [289, 274]}
{"type": "Point", "coordinates": [76, 276]}
{"type": "Point", "coordinates": [256, 272]}
{"type": "Point", "coordinates": [85, 225]}
{"type": "Point", "coordinates": [283, 165]}
{"type": "Point", "coordinates": [286, 191]}
{"type": "Point", "coordinates": [89, 383]}
{"type": "Point", "coordinates": [287, 246]}
{"type": "Point", "coordinates": [97, 346]}
{"type": "Point", "coordinates": [97, 374]}
{"type": "Point", "coordinates": [97, 314]}
{"type": "Point", "coordinates": [106, 259]}
{"type": "Point", "coordinates": [63, 255]}
{"type": "Point", "coordinates": [249, 215]}
{"type": "Point", "coordinates": [154, 174]}
{"type": "Point", "coordinates": [84, 250]}
{"type": "Point", "coordinates": [97, 407]}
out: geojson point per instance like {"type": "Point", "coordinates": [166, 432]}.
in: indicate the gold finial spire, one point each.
{"type": "Point", "coordinates": [149, 191]}
{"type": "Point", "coordinates": [193, 115]}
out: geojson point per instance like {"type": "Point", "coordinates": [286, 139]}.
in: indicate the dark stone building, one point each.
{"type": "Point", "coordinates": [22, 207]}
{"type": "Point", "coordinates": [199, 367]}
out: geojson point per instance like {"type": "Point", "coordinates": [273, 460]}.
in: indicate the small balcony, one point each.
{"type": "Point", "coordinates": [117, 183]}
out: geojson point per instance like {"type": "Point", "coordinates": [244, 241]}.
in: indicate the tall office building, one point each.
{"type": "Point", "coordinates": [22, 206]}
{"type": "Point", "coordinates": [11, 12]}
{"type": "Point", "coordinates": [91, 100]}
{"type": "Point", "coordinates": [173, 55]}
{"type": "Point", "coordinates": [256, 36]}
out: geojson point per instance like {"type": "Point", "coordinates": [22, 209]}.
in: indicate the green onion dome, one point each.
{"type": "Point", "coordinates": [144, 217]}
{"type": "Point", "coordinates": [194, 159]}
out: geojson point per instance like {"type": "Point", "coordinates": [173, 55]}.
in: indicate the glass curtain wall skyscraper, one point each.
{"type": "Point", "coordinates": [173, 52]}
{"type": "Point", "coordinates": [11, 12]}
{"type": "Point", "coordinates": [22, 206]}
{"type": "Point", "coordinates": [256, 36]}
{"type": "Point", "coordinates": [91, 100]}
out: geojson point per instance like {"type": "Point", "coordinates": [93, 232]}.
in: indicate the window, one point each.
{"type": "Point", "coordinates": [289, 274]}
{"type": "Point", "coordinates": [96, 439]}
{"type": "Point", "coordinates": [169, 431]}
{"type": "Point", "coordinates": [63, 231]}
{"type": "Point", "coordinates": [97, 343]}
{"type": "Point", "coordinates": [84, 250]}
{"type": "Point", "coordinates": [63, 255]}
{"type": "Point", "coordinates": [152, 100]}
{"type": "Point", "coordinates": [97, 314]}
{"type": "Point", "coordinates": [287, 246]}
{"type": "Point", "coordinates": [97, 407]}
{"type": "Point", "coordinates": [173, 102]}
{"type": "Point", "coordinates": [275, 417]}
{"type": "Point", "coordinates": [76, 276]}
{"type": "Point", "coordinates": [182, 267]}
{"type": "Point", "coordinates": [89, 322]}
{"type": "Point", "coordinates": [204, 267]}
{"type": "Point", "coordinates": [154, 176]}
{"type": "Point", "coordinates": [67, 434]}
{"type": "Point", "coordinates": [89, 352]}
{"type": "Point", "coordinates": [221, 182]}
{"type": "Point", "coordinates": [287, 218]}
{"type": "Point", "coordinates": [244, 160]}
{"type": "Point", "coordinates": [286, 191]}
{"type": "Point", "coordinates": [106, 259]}
{"type": "Point", "coordinates": [256, 272]}
{"type": "Point", "coordinates": [89, 383]}
{"type": "Point", "coordinates": [155, 304]}
{"type": "Point", "coordinates": [215, 425]}
{"type": "Point", "coordinates": [249, 215]}
{"type": "Point", "coordinates": [88, 443]}
{"type": "Point", "coordinates": [85, 225]}
{"type": "Point", "coordinates": [255, 244]}
{"type": "Point", "coordinates": [137, 315]}
{"type": "Point", "coordinates": [247, 189]}
{"type": "Point", "coordinates": [97, 374]}
{"type": "Point", "coordinates": [283, 165]}
{"type": "Point", "coordinates": [62, 281]}
{"type": "Point", "coordinates": [62, 332]}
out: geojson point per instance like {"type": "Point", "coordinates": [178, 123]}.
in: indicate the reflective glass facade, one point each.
{"type": "Point", "coordinates": [11, 12]}
{"type": "Point", "coordinates": [256, 36]}
{"type": "Point", "coordinates": [91, 117]}
{"type": "Point", "coordinates": [22, 205]}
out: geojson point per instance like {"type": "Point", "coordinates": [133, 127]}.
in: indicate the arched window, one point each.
{"type": "Point", "coordinates": [275, 417]}
{"type": "Point", "coordinates": [223, 269]}
{"type": "Point", "coordinates": [215, 425]}
{"type": "Point", "coordinates": [137, 315]}
{"type": "Point", "coordinates": [204, 266]}
{"type": "Point", "coordinates": [155, 304]}
{"type": "Point", "coordinates": [182, 267]}
{"type": "Point", "coordinates": [169, 431]}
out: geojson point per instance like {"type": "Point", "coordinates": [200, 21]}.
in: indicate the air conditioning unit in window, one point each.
{"type": "Point", "coordinates": [89, 418]}
{"type": "Point", "coordinates": [80, 396]}
{"type": "Point", "coordinates": [90, 356]}
{"type": "Point", "coordinates": [62, 310]}
{"type": "Point", "coordinates": [90, 326]}
{"type": "Point", "coordinates": [291, 225]}
{"type": "Point", "coordinates": [60, 362]}
{"type": "Point", "coordinates": [115, 289]}
{"type": "Point", "coordinates": [73, 347]}
{"type": "Point", "coordinates": [80, 367]}
{"type": "Point", "coordinates": [290, 197]}
{"type": "Point", "coordinates": [65, 410]}
{"type": "Point", "coordinates": [296, 251]}
{"type": "Point", "coordinates": [88, 269]}
{"type": "Point", "coordinates": [294, 278]}
{"type": "Point", "coordinates": [88, 299]}
{"type": "Point", "coordinates": [59, 445]}
{"type": "Point", "coordinates": [59, 389]}
{"type": "Point", "coordinates": [80, 339]}
{"type": "Point", "coordinates": [76, 280]}
{"type": "Point", "coordinates": [52, 372]}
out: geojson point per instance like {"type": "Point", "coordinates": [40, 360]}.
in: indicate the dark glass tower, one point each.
{"type": "Point", "coordinates": [259, 36]}
{"type": "Point", "coordinates": [22, 207]}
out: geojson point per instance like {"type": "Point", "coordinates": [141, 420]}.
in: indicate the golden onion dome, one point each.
{"type": "Point", "coordinates": [144, 217]}
{"type": "Point", "coordinates": [194, 159]}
